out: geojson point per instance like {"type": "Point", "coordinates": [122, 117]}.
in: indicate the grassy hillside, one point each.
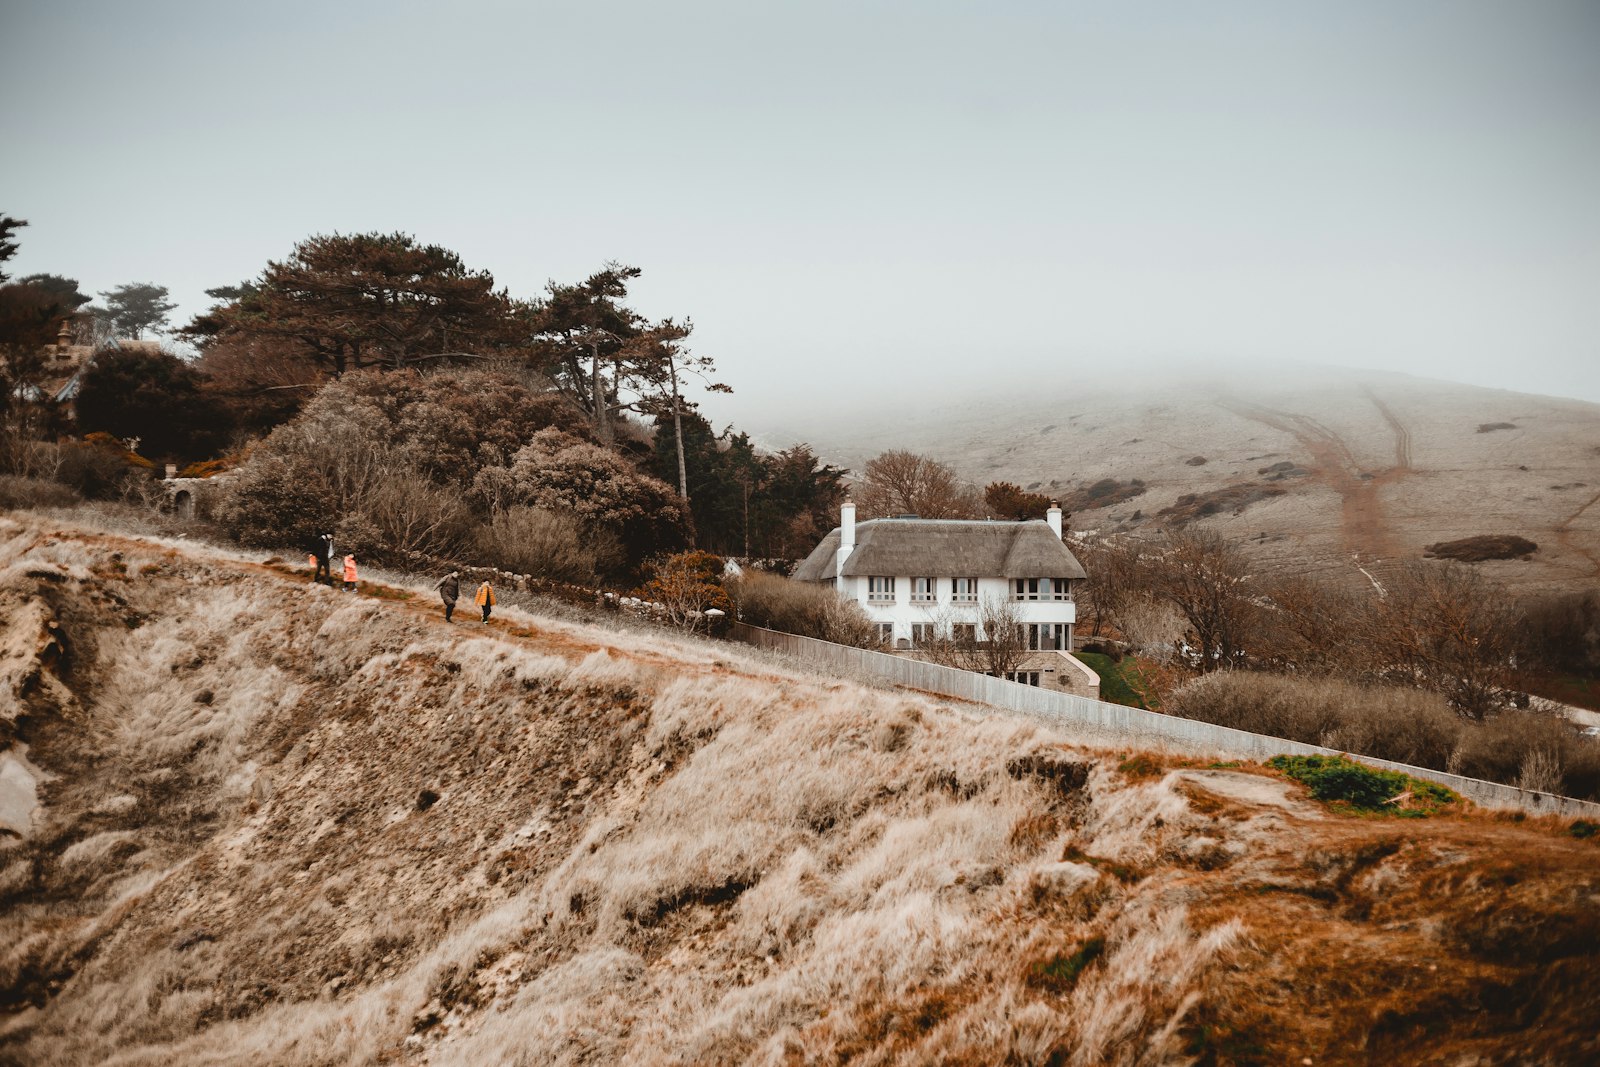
{"type": "Point", "coordinates": [1311, 468]}
{"type": "Point", "coordinates": [280, 824]}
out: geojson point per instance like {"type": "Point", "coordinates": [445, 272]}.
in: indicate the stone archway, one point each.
{"type": "Point", "coordinates": [183, 504]}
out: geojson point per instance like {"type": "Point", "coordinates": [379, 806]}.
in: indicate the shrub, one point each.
{"type": "Point", "coordinates": [1563, 631]}
{"type": "Point", "coordinates": [386, 461]}
{"type": "Point", "coordinates": [1527, 748]}
{"type": "Point", "coordinates": [19, 492]}
{"type": "Point", "coordinates": [1335, 779]}
{"type": "Point", "coordinates": [276, 501]}
{"type": "Point", "coordinates": [99, 467]}
{"type": "Point", "coordinates": [687, 585]}
{"type": "Point", "coordinates": [547, 544]}
{"type": "Point", "coordinates": [1483, 547]}
{"type": "Point", "coordinates": [559, 472]}
{"type": "Point", "coordinates": [801, 608]}
{"type": "Point", "coordinates": [1531, 749]}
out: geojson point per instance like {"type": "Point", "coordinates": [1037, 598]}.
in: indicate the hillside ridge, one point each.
{"type": "Point", "coordinates": [1374, 466]}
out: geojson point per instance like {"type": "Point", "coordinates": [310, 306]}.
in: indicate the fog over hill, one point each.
{"type": "Point", "coordinates": [249, 820]}
{"type": "Point", "coordinates": [1319, 466]}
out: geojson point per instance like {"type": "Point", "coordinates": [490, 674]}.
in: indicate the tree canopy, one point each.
{"type": "Point", "coordinates": [898, 482]}
{"type": "Point", "coordinates": [65, 290]}
{"type": "Point", "coordinates": [607, 357]}
{"type": "Point", "coordinates": [1008, 500]}
{"type": "Point", "coordinates": [153, 396]}
{"type": "Point", "coordinates": [8, 241]}
{"type": "Point", "coordinates": [348, 302]}
{"type": "Point", "coordinates": [136, 307]}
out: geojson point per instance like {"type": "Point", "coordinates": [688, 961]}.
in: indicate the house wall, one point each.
{"type": "Point", "coordinates": [902, 613]}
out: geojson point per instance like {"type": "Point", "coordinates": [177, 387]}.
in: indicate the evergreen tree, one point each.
{"type": "Point", "coordinates": [137, 307]}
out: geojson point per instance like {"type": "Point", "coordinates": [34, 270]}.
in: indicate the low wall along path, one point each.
{"type": "Point", "coordinates": [1065, 711]}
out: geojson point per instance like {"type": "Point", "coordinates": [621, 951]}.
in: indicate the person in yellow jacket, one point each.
{"type": "Point", "coordinates": [484, 598]}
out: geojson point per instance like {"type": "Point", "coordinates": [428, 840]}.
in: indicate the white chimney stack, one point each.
{"type": "Point", "coordinates": [1053, 517]}
{"type": "Point", "coordinates": [847, 537]}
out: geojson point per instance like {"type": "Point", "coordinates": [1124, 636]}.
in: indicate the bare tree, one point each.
{"type": "Point", "coordinates": [1447, 628]}
{"type": "Point", "coordinates": [1207, 578]}
{"type": "Point", "coordinates": [1120, 585]}
{"type": "Point", "coordinates": [903, 483]}
{"type": "Point", "coordinates": [995, 644]}
{"type": "Point", "coordinates": [1312, 625]}
{"type": "Point", "coordinates": [1004, 640]}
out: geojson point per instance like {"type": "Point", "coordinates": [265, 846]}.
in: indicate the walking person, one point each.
{"type": "Point", "coordinates": [484, 598]}
{"type": "Point", "coordinates": [349, 572]}
{"type": "Point", "coordinates": [324, 556]}
{"type": "Point", "coordinates": [449, 591]}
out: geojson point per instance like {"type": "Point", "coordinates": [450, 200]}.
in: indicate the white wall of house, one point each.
{"type": "Point", "coordinates": [903, 612]}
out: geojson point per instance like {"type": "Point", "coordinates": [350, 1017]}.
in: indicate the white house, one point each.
{"type": "Point", "coordinates": [920, 578]}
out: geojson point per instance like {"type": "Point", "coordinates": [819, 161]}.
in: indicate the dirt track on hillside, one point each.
{"type": "Point", "coordinates": [1564, 535]}
{"type": "Point", "coordinates": [1364, 525]}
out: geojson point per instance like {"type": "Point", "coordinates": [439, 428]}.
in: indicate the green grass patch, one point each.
{"type": "Point", "coordinates": [1141, 766]}
{"type": "Point", "coordinates": [1060, 973]}
{"type": "Point", "coordinates": [1121, 681]}
{"type": "Point", "coordinates": [1343, 783]}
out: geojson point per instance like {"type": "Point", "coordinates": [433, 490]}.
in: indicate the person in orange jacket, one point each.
{"type": "Point", "coordinates": [484, 598]}
{"type": "Point", "coordinates": [349, 573]}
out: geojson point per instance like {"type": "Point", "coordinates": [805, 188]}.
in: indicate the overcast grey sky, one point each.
{"type": "Point", "coordinates": [857, 196]}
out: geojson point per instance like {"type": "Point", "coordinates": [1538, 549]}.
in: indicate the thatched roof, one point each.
{"type": "Point", "coordinates": [946, 548]}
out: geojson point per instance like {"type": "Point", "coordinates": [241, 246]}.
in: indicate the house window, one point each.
{"type": "Point", "coordinates": [886, 634]}
{"type": "Point", "coordinates": [1041, 589]}
{"type": "Point", "coordinates": [964, 590]}
{"type": "Point", "coordinates": [1047, 636]}
{"type": "Point", "coordinates": [964, 634]}
{"type": "Point", "coordinates": [880, 590]}
{"type": "Point", "coordinates": [921, 634]}
{"type": "Point", "coordinates": [922, 591]}
{"type": "Point", "coordinates": [1024, 677]}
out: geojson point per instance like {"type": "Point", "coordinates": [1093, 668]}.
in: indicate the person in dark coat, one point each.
{"type": "Point", "coordinates": [324, 554]}
{"type": "Point", "coordinates": [449, 591]}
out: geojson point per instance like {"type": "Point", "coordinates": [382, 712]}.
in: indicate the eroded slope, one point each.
{"type": "Point", "coordinates": [286, 825]}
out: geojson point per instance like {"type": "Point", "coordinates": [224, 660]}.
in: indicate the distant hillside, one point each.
{"type": "Point", "coordinates": [248, 820]}
{"type": "Point", "coordinates": [1322, 468]}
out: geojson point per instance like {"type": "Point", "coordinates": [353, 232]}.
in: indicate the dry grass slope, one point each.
{"type": "Point", "coordinates": [285, 825]}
